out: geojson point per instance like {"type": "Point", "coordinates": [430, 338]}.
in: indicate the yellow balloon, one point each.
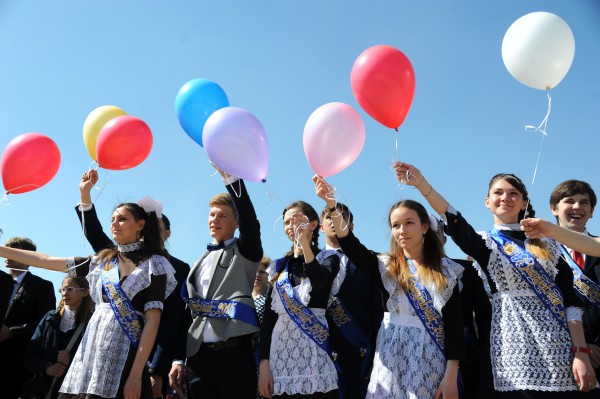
{"type": "Point", "coordinates": [94, 123]}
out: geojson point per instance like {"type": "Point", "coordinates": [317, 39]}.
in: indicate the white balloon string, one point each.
{"type": "Point", "coordinates": [301, 226]}
{"type": "Point", "coordinates": [542, 128]}
{"type": "Point", "coordinates": [331, 195]}
{"type": "Point", "coordinates": [396, 145]}
{"type": "Point", "coordinates": [272, 194]}
{"type": "Point", "coordinates": [75, 266]}
{"type": "Point", "coordinates": [4, 201]}
{"type": "Point", "coordinates": [101, 189]}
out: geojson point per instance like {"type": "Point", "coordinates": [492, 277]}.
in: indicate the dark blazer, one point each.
{"type": "Point", "coordinates": [591, 315]}
{"type": "Point", "coordinates": [33, 300]}
{"type": "Point", "coordinates": [44, 346]}
{"type": "Point", "coordinates": [173, 307]}
{"type": "Point", "coordinates": [364, 302]}
{"type": "Point", "coordinates": [6, 288]}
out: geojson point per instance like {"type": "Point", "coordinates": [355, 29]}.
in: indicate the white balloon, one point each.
{"type": "Point", "coordinates": [538, 50]}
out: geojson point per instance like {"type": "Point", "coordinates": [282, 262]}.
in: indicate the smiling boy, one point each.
{"type": "Point", "coordinates": [572, 203]}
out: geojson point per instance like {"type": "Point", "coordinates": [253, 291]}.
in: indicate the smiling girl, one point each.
{"type": "Point", "coordinates": [128, 283]}
{"type": "Point", "coordinates": [419, 285]}
{"type": "Point", "coordinates": [537, 342]}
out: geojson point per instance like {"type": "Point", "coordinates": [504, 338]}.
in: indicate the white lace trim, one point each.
{"type": "Point", "coordinates": [298, 365]}
{"type": "Point", "coordinates": [529, 349]}
{"type": "Point", "coordinates": [153, 305]}
{"type": "Point", "coordinates": [98, 364]}
{"type": "Point", "coordinates": [138, 280]}
{"type": "Point", "coordinates": [573, 313]}
{"type": "Point", "coordinates": [67, 321]}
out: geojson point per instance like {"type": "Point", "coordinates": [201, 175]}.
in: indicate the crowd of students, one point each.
{"type": "Point", "coordinates": [519, 319]}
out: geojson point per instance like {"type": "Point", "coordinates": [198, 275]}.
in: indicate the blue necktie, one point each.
{"type": "Point", "coordinates": [215, 247]}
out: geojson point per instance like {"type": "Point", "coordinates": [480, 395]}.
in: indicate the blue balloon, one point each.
{"type": "Point", "coordinates": [195, 102]}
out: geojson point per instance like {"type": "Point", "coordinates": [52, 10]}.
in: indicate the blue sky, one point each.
{"type": "Point", "coordinates": [282, 60]}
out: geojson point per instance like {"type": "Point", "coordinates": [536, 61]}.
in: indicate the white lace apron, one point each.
{"type": "Point", "coordinates": [407, 363]}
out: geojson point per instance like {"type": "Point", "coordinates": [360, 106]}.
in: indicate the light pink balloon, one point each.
{"type": "Point", "coordinates": [334, 135]}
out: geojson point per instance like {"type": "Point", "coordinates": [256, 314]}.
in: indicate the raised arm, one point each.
{"type": "Point", "coordinates": [462, 233]}
{"type": "Point", "coordinates": [86, 212]}
{"type": "Point", "coordinates": [33, 258]}
{"type": "Point", "coordinates": [538, 228]}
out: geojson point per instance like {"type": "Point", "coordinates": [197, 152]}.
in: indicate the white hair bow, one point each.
{"type": "Point", "coordinates": [149, 204]}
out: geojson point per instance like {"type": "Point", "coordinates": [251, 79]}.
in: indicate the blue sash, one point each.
{"type": "Point", "coordinates": [220, 308]}
{"type": "Point", "coordinates": [422, 303]}
{"type": "Point", "coordinates": [304, 318]}
{"type": "Point", "coordinates": [534, 275]}
{"type": "Point", "coordinates": [119, 302]}
{"type": "Point", "coordinates": [345, 323]}
{"type": "Point", "coordinates": [588, 289]}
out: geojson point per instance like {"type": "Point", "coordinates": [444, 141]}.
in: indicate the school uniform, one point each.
{"type": "Point", "coordinates": [219, 353]}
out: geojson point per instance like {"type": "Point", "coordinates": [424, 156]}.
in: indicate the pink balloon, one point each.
{"type": "Point", "coordinates": [123, 142]}
{"type": "Point", "coordinates": [29, 161]}
{"type": "Point", "coordinates": [334, 135]}
{"type": "Point", "coordinates": [236, 142]}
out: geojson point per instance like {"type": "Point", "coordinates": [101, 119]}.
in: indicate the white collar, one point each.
{"type": "Point", "coordinates": [329, 247]}
{"type": "Point", "coordinates": [510, 226]}
{"type": "Point", "coordinates": [20, 278]}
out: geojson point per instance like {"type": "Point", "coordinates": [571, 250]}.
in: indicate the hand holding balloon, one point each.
{"type": "Point", "coordinates": [324, 191]}
{"type": "Point", "coordinates": [88, 180]}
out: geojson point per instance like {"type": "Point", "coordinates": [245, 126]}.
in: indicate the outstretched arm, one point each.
{"type": "Point", "coordinates": [32, 258]}
{"type": "Point", "coordinates": [539, 228]}
{"type": "Point", "coordinates": [413, 177]}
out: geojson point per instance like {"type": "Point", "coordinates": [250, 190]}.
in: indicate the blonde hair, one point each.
{"type": "Point", "coordinates": [223, 199]}
{"type": "Point", "coordinates": [431, 271]}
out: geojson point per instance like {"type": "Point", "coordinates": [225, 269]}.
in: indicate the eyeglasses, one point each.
{"type": "Point", "coordinates": [69, 290]}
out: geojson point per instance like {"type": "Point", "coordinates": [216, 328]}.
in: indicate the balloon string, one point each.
{"type": "Point", "coordinates": [101, 189]}
{"type": "Point", "coordinates": [330, 195]}
{"type": "Point", "coordinates": [542, 129]}
{"type": "Point", "coordinates": [396, 145]}
{"type": "Point", "coordinates": [229, 183]}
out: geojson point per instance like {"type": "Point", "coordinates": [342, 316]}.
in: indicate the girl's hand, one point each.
{"type": "Point", "coordinates": [176, 377]}
{"type": "Point", "coordinates": [88, 180]}
{"type": "Point", "coordinates": [133, 388]}
{"type": "Point", "coordinates": [265, 379]}
{"type": "Point", "coordinates": [536, 228]}
{"type": "Point", "coordinates": [448, 388]}
{"type": "Point", "coordinates": [408, 174]}
{"type": "Point", "coordinates": [584, 372]}
{"type": "Point", "coordinates": [324, 191]}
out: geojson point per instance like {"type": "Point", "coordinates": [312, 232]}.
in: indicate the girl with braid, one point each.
{"type": "Point", "coordinates": [538, 348]}
{"type": "Point", "coordinates": [295, 358]}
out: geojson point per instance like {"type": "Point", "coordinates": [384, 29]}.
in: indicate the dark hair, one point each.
{"type": "Point", "coordinates": [569, 188]}
{"type": "Point", "coordinates": [433, 251]}
{"type": "Point", "coordinates": [150, 234]}
{"type": "Point", "coordinates": [518, 184]}
{"type": "Point", "coordinates": [21, 243]}
{"type": "Point", "coordinates": [166, 222]}
{"type": "Point", "coordinates": [342, 208]}
{"type": "Point", "coordinates": [84, 312]}
{"type": "Point", "coordinates": [312, 215]}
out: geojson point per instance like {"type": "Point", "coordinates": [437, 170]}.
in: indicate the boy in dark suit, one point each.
{"type": "Point", "coordinates": [572, 203]}
{"type": "Point", "coordinates": [31, 298]}
{"type": "Point", "coordinates": [363, 303]}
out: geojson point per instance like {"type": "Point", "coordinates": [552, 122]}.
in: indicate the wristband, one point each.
{"type": "Point", "coordinates": [575, 349]}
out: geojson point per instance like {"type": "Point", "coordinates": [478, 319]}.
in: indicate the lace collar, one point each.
{"type": "Point", "coordinates": [67, 321]}
{"type": "Point", "coordinates": [511, 226]}
{"type": "Point", "coordinates": [134, 246]}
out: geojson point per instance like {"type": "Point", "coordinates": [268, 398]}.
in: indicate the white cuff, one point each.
{"type": "Point", "coordinates": [85, 207]}
{"type": "Point", "coordinates": [177, 362]}
{"type": "Point", "coordinates": [573, 313]}
{"type": "Point", "coordinates": [230, 180]}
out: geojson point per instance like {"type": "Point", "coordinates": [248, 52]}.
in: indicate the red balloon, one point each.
{"type": "Point", "coordinates": [29, 161]}
{"type": "Point", "coordinates": [383, 83]}
{"type": "Point", "coordinates": [123, 142]}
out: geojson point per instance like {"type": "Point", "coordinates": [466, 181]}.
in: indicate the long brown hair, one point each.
{"type": "Point", "coordinates": [150, 234]}
{"type": "Point", "coordinates": [433, 251]}
{"type": "Point", "coordinates": [84, 312]}
{"type": "Point", "coordinates": [535, 246]}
